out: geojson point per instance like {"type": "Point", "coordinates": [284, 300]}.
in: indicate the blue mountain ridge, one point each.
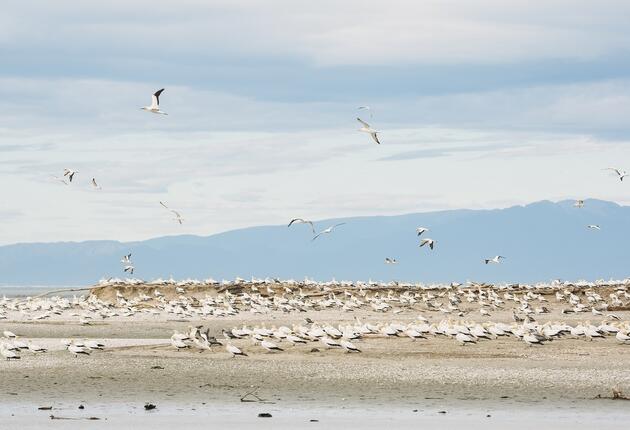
{"type": "Point", "coordinates": [542, 241]}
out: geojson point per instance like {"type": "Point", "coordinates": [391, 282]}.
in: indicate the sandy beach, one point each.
{"type": "Point", "coordinates": [139, 365]}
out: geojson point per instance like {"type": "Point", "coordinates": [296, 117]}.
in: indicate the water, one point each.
{"type": "Point", "coordinates": [26, 291]}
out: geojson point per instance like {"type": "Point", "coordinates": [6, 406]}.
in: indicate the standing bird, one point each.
{"type": "Point", "coordinates": [155, 103]}
{"type": "Point", "coordinates": [234, 350]}
{"type": "Point", "coordinates": [496, 259]}
{"type": "Point", "coordinates": [620, 173]}
{"type": "Point", "coordinates": [327, 231]}
{"type": "Point", "coordinates": [367, 129]}
{"type": "Point", "coordinates": [302, 221]}
{"type": "Point", "coordinates": [421, 230]}
{"type": "Point", "coordinates": [70, 173]}
{"type": "Point", "coordinates": [427, 241]}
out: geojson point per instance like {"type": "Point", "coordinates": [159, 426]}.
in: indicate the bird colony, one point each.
{"type": "Point", "coordinates": [336, 315]}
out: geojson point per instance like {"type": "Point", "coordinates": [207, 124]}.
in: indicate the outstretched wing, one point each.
{"type": "Point", "coordinates": [375, 137]}
{"type": "Point", "coordinates": [365, 124]}
{"type": "Point", "coordinates": [155, 99]}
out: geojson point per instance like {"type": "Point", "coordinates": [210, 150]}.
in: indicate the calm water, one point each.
{"type": "Point", "coordinates": [25, 291]}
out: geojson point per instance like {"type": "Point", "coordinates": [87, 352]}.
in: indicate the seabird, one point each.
{"type": "Point", "coordinates": [126, 259]}
{"type": "Point", "coordinates": [578, 204]}
{"type": "Point", "coordinates": [593, 226]}
{"type": "Point", "coordinates": [349, 346]}
{"type": "Point", "coordinates": [620, 173]}
{"type": "Point", "coordinates": [390, 260]}
{"type": "Point", "coordinates": [367, 129]}
{"type": "Point", "coordinates": [129, 268]}
{"type": "Point", "coordinates": [178, 216]}
{"type": "Point", "coordinates": [69, 173]}
{"type": "Point", "coordinates": [302, 221]}
{"type": "Point", "coordinates": [421, 230]}
{"type": "Point", "coordinates": [270, 346]}
{"type": "Point", "coordinates": [234, 350]}
{"type": "Point", "coordinates": [327, 231]}
{"type": "Point", "coordinates": [155, 103]}
{"type": "Point", "coordinates": [427, 241]}
{"type": "Point", "coordinates": [496, 259]}
{"type": "Point", "coordinates": [95, 185]}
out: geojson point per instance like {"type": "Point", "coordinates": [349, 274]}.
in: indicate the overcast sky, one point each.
{"type": "Point", "coordinates": [480, 104]}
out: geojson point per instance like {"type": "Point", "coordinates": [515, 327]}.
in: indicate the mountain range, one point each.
{"type": "Point", "coordinates": [541, 241]}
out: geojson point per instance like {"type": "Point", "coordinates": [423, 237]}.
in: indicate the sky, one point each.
{"type": "Point", "coordinates": [479, 104]}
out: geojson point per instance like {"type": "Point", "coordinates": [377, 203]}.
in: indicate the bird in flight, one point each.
{"type": "Point", "coordinates": [70, 173]}
{"type": "Point", "coordinates": [178, 216]}
{"type": "Point", "coordinates": [390, 260]}
{"type": "Point", "coordinates": [129, 268]}
{"type": "Point", "coordinates": [95, 185]}
{"type": "Point", "coordinates": [594, 226]}
{"type": "Point", "coordinates": [327, 231]}
{"type": "Point", "coordinates": [427, 241]}
{"type": "Point", "coordinates": [495, 260]}
{"type": "Point", "coordinates": [302, 221]}
{"type": "Point", "coordinates": [126, 259]}
{"type": "Point", "coordinates": [578, 204]}
{"type": "Point", "coordinates": [421, 230]}
{"type": "Point", "coordinates": [155, 104]}
{"type": "Point", "coordinates": [367, 129]}
{"type": "Point", "coordinates": [620, 173]}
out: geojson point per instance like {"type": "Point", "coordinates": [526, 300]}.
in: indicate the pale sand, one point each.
{"type": "Point", "coordinates": [391, 374]}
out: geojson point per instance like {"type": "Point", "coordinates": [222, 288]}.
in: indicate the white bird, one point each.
{"type": "Point", "coordinates": [8, 354]}
{"type": "Point", "coordinates": [155, 103]}
{"type": "Point", "coordinates": [496, 259]}
{"type": "Point", "coordinates": [302, 221]}
{"type": "Point", "coordinates": [126, 259]}
{"type": "Point", "coordinates": [76, 350]}
{"type": "Point", "coordinates": [427, 241]}
{"type": "Point", "coordinates": [367, 129]}
{"type": "Point", "coordinates": [349, 346]}
{"type": "Point", "coordinates": [9, 334]}
{"type": "Point", "coordinates": [390, 260]}
{"type": "Point", "coordinates": [421, 230]}
{"type": "Point", "coordinates": [327, 231]}
{"type": "Point", "coordinates": [70, 173]}
{"type": "Point", "coordinates": [464, 338]}
{"type": "Point", "coordinates": [95, 185]}
{"type": "Point", "coordinates": [270, 346]}
{"type": "Point", "coordinates": [594, 226]}
{"type": "Point", "coordinates": [178, 216]}
{"type": "Point", "coordinates": [129, 268]}
{"type": "Point", "coordinates": [620, 173]}
{"type": "Point", "coordinates": [578, 204]}
{"type": "Point", "coordinates": [234, 350]}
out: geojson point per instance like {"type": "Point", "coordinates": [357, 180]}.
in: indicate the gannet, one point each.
{"type": "Point", "coordinates": [578, 204]}
{"type": "Point", "coordinates": [496, 259]}
{"type": "Point", "coordinates": [593, 226]}
{"type": "Point", "coordinates": [327, 231]}
{"type": "Point", "coordinates": [270, 346]}
{"type": "Point", "coordinates": [427, 241]}
{"type": "Point", "coordinates": [69, 173]}
{"type": "Point", "coordinates": [620, 173]}
{"type": "Point", "coordinates": [155, 103]}
{"type": "Point", "coordinates": [302, 221]}
{"type": "Point", "coordinates": [390, 260]}
{"type": "Point", "coordinates": [234, 350]}
{"type": "Point", "coordinates": [367, 129]}
{"type": "Point", "coordinates": [95, 185]}
{"type": "Point", "coordinates": [421, 230]}
{"type": "Point", "coordinates": [348, 346]}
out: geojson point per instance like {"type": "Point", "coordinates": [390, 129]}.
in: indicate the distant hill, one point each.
{"type": "Point", "coordinates": [541, 241]}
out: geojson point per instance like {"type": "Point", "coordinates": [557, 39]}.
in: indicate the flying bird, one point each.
{"type": "Point", "coordinates": [390, 260]}
{"type": "Point", "coordinates": [427, 241]}
{"type": "Point", "coordinates": [178, 216]}
{"type": "Point", "coordinates": [129, 268]}
{"type": "Point", "coordinates": [302, 221]}
{"type": "Point", "coordinates": [155, 103]}
{"type": "Point", "coordinates": [594, 226]}
{"type": "Point", "coordinates": [327, 231]}
{"type": "Point", "coordinates": [620, 173]}
{"type": "Point", "coordinates": [95, 185]}
{"type": "Point", "coordinates": [421, 230]}
{"type": "Point", "coordinates": [578, 204]}
{"type": "Point", "coordinates": [367, 129]}
{"type": "Point", "coordinates": [496, 259]}
{"type": "Point", "coordinates": [70, 173]}
{"type": "Point", "coordinates": [126, 259]}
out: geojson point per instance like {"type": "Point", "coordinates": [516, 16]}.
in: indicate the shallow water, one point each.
{"type": "Point", "coordinates": [585, 414]}
{"type": "Point", "coordinates": [26, 291]}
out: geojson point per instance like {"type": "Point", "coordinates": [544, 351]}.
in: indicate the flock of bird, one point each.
{"type": "Point", "coordinates": [460, 312]}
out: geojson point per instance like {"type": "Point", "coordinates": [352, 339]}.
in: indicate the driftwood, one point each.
{"type": "Point", "coordinates": [251, 396]}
